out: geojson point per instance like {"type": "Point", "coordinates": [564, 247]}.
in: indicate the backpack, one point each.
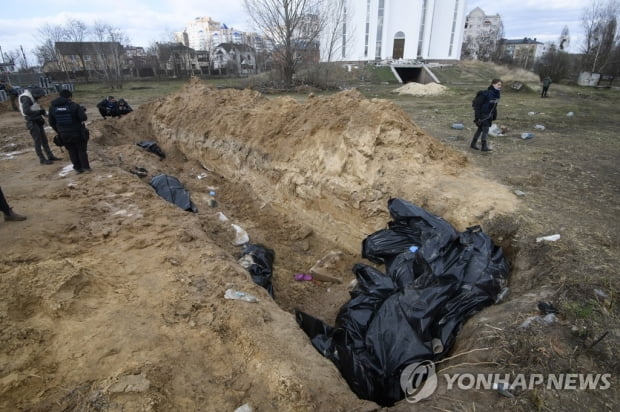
{"type": "Point", "coordinates": [477, 102]}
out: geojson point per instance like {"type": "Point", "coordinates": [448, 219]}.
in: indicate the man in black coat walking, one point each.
{"type": "Point", "coordinates": [485, 111]}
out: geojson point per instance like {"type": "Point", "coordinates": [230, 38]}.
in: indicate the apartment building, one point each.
{"type": "Point", "coordinates": [481, 34]}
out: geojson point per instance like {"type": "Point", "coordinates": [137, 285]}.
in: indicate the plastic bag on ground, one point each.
{"type": "Point", "coordinates": [152, 147]}
{"type": "Point", "coordinates": [415, 310]}
{"type": "Point", "coordinates": [173, 191]}
{"type": "Point", "coordinates": [258, 260]}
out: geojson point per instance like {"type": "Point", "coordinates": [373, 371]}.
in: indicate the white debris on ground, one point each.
{"type": "Point", "coordinates": [419, 89]}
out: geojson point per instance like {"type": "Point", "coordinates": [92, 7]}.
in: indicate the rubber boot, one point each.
{"type": "Point", "coordinates": [13, 217]}
{"type": "Point", "coordinates": [473, 144]}
{"type": "Point", "coordinates": [485, 147]}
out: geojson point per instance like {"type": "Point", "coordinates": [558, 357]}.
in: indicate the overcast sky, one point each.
{"type": "Point", "coordinates": [147, 21]}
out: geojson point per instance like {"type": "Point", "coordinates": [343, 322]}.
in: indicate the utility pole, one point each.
{"type": "Point", "coordinates": [24, 56]}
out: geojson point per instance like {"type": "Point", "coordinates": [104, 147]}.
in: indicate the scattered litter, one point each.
{"type": "Point", "coordinates": [201, 176]}
{"type": "Point", "coordinates": [539, 127]}
{"type": "Point", "coordinates": [238, 295]}
{"type": "Point", "coordinates": [244, 408]}
{"type": "Point", "coordinates": [322, 269]}
{"type": "Point", "coordinates": [570, 114]}
{"type": "Point", "coordinates": [546, 308]}
{"type": "Point", "coordinates": [300, 277]}
{"type": "Point", "coordinates": [258, 260]}
{"type": "Point", "coordinates": [495, 130]}
{"type": "Point", "coordinates": [212, 202]}
{"type": "Point", "coordinates": [502, 389]}
{"type": "Point", "coordinates": [526, 136]}
{"type": "Point", "coordinates": [11, 155]}
{"type": "Point", "coordinates": [66, 170]}
{"type": "Point", "coordinates": [241, 236]}
{"type": "Point", "coordinates": [519, 193]}
{"type": "Point", "coordinates": [516, 85]}
{"type": "Point", "coordinates": [549, 238]}
{"type": "Point", "coordinates": [532, 113]}
{"type": "Point", "coordinates": [458, 126]}
{"type": "Point", "coordinates": [139, 171]}
{"type": "Point", "coordinates": [543, 320]}
{"type": "Point", "coordinates": [222, 217]}
{"type": "Point", "coordinates": [601, 294]}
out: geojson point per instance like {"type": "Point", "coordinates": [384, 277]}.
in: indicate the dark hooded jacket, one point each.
{"type": "Point", "coordinates": [487, 111]}
{"type": "Point", "coordinates": [66, 117]}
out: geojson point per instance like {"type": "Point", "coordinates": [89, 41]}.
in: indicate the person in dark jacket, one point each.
{"type": "Point", "coordinates": [546, 82]}
{"type": "Point", "coordinates": [124, 107]}
{"type": "Point", "coordinates": [67, 119]}
{"type": "Point", "coordinates": [485, 111]}
{"type": "Point", "coordinates": [33, 114]}
{"type": "Point", "coordinates": [108, 107]}
{"type": "Point", "coordinates": [9, 215]}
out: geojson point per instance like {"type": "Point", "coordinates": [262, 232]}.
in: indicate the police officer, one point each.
{"type": "Point", "coordinates": [67, 119]}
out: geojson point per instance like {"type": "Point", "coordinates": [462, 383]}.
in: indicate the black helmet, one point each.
{"type": "Point", "coordinates": [37, 92]}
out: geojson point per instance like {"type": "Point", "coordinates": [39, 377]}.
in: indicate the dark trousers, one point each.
{"type": "Point", "coordinates": [544, 91]}
{"type": "Point", "coordinates": [40, 140]}
{"type": "Point", "coordinates": [77, 148]}
{"type": "Point", "coordinates": [482, 132]}
{"type": "Point", "coordinates": [4, 206]}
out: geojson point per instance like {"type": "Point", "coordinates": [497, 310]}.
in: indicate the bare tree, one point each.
{"type": "Point", "coordinates": [564, 41]}
{"type": "Point", "coordinates": [336, 30]}
{"type": "Point", "coordinates": [555, 63]}
{"type": "Point", "coordinates": [109, 53]}
{"type": "Point", "coordinates": [46, 51]}
{"type": "Point", "coordinates": [292, 26]}
{"type": "Point", "coordinates": [16, 58]}
{"type": "Point", "coordinates": [76, 31]}
{"type": "Point", "coordinates": [600, 28]}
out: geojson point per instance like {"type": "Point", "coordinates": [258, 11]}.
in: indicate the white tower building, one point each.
{"type": "Point", "coordinates": [378, 30]}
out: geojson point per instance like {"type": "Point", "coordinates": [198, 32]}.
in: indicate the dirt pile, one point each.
{"type": "Point", "coordinates": [115, 297]}
{"type": "Point", "coordinates": [419, 89]}
{"type": "Point", "coordinates": [335, 160]}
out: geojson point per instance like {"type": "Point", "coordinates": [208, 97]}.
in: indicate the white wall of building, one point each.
{"type": "Point", "coordinates": [432, 29]}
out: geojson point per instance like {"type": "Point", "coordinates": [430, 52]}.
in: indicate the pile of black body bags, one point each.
{"type": "Point", "coordinates": [435, 279]}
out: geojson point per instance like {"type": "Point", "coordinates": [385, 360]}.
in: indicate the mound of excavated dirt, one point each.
{"type": "Point", "coordinates": [419, 89]}
{"type": "Point", "coordinates": [114, 298]}
{"type": "Point", "coordinates": [335, 160]}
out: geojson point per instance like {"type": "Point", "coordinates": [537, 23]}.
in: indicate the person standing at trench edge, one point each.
{"type": "Point", "coordinates": [485, 111]}
{"type": "Point", "coordinates": [33, 114]}
{"type": "Point", "coordinates": [67, 119]}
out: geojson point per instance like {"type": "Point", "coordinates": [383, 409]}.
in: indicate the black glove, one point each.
{"type": "Point", "coordinates": [42, 112]}
{"type": "Point", "coordinates": [478, 122]}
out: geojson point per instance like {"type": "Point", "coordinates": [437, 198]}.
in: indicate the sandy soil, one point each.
{"type": "Point", "coordinates": [113, 298]}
